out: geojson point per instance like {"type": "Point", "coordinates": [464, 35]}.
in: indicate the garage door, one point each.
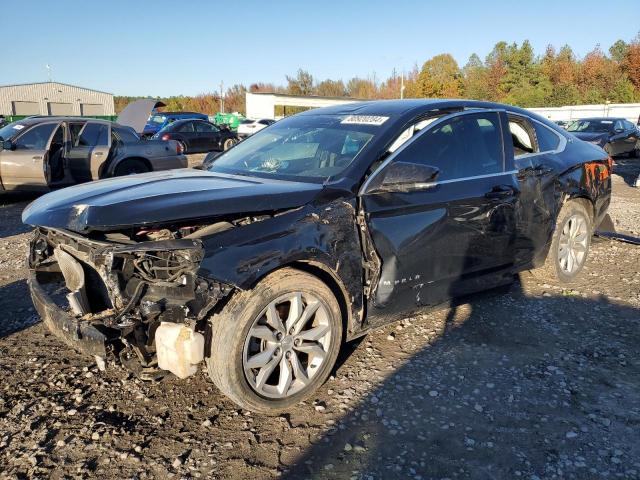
{"type": "Point", "coordinates": [26, 108]}
{"type": "Point", "coordinates": [60, 108]}
{"type": "Point", "coordinates": [91, 109]}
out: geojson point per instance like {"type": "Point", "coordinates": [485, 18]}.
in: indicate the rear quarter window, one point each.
{"type": "Point", "coordinates": [547, 140]}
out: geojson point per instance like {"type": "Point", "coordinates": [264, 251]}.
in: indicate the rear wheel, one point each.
{"type": "Point", "coordinates": [228, 143]}
{"type": "Point", "coordinates": [130, 167]}
{"type": "Point", "coordinates": [570, 244]}
{"type": "Point", "coordinates": [183, 145]}
{"type": "Point", "coordinates": [274, 345]}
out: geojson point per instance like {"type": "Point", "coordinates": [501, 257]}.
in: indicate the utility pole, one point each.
{"type": "Point", "coordinates": [401, 85]}
{"type": "Point", "coordinates": [222, 97]}
{"type": "Point", "coordinates": [48, 67]}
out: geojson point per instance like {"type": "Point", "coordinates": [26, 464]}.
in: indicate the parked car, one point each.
{"type": "Point", "coordinates": [248, 127]}
{"type": "Point", "coordinates": [197, 136]}
{"type": "Point", "coordinates": [617, 136]}
{"type": "Point", "coordinates": [158, 121]}
{"type": "Point", "coordinates": [52, 152]}
{"type": "Point", "coordinates": [326, 225]}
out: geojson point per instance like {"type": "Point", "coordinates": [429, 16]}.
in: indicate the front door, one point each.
{"type": "Point", "coordinates": [208, 136]}
{"type": "Point", "coordinates": [26, 164]}
{"type": "Point", "coordinates": [453, 237]}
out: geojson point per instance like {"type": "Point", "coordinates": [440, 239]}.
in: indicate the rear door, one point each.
{"type": "Point", "coordinates": [89, 148]}
{"type": "Point", "coordinates": [533, 148]}
{"type": "Point", "coordinates": [26, 164]}
{"type": "Point", "coordinates": [454, 237]}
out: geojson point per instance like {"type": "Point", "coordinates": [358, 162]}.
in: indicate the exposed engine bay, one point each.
{"type": "Point", "coordinates": [127, 284]}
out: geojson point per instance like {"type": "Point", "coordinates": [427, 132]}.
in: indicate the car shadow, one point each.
{"type": "Point", "coordinates": [11, 206]}
{"type": "Point", "coordinates": [513, 386]}
{"type": "Point", "coordinates": [19, 313]}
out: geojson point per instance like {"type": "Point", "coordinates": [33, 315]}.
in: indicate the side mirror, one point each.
{"type": "Point", "coordinates": [406, 177]}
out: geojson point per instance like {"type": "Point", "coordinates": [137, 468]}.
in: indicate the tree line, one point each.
{"type": "Point", "coordinates": [510, 73]}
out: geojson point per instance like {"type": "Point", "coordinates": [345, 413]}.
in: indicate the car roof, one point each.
{"type": "Point", "coordinates": [46, 118]}
{"type": "Point", "coordinates": [401, 107]}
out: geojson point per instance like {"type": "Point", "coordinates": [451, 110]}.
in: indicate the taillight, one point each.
{"type": "Point", "coordinates": [165, 137]}
{"type": "Point", "coordinates": [179, 149]}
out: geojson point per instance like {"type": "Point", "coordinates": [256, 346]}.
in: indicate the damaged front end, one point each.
{"type": "Point", "coordinates": [113, 297]}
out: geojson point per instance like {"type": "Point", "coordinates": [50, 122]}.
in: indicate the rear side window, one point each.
{"type": "Point", "coordinates": [36, 138]}
{"type": "Point", "coordinates": [463, 146]}
{"type": "Point", "coordinates": [93, 135]}
{"type": "Point", "coordinates": [522, 137]}
{"type": "Point", "coordinates": [547, 140]}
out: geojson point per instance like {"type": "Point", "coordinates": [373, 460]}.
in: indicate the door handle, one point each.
{"type": "Point", "coordinates": [501, 191]}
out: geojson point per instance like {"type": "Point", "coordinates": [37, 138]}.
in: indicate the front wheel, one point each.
{"type": "Point", "coordinates": [569, 245]}
{"type": "Point", "coordinates": [274, 345]}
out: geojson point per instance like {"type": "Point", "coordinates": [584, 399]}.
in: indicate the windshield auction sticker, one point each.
{"type": "Point", "coordinates": [18, 127]}
{"type": "Point", "coordinates": [364, 120]}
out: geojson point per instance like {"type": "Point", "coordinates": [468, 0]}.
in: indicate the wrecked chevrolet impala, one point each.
{"type": "Point", "coordinates": [309, 234]}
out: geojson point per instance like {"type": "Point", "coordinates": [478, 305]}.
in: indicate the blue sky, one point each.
{"type": "Point", "coordinates": [164, 48]}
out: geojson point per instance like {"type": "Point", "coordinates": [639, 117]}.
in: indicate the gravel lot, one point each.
{"type": "Point", "coordinates": [534, 381]}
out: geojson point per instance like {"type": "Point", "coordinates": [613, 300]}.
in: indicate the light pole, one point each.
{"type": "Point", "coordinates": [222, 97]}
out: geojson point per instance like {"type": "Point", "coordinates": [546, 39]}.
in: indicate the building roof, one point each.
{"type": "Point", "coordinates": [289, 95]}
{"type": "Point", "coordinates": [54, 83]}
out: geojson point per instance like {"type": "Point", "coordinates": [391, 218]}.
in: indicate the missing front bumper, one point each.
{"type": "Point", "coordinates": [76, 333]}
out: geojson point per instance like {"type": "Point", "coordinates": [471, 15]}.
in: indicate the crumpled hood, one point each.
{"type": "Point", "coordinates": [163, 197]}
{"type": "Point", "coordinates": [592, 137]}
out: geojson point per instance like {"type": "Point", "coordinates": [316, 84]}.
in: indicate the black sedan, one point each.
{"type": "Point", "coordinates": [617, 136]}
{"type": "Point", "coordinates": [198, 136]}
{"type": "Point", "coordinates": [312, 232]}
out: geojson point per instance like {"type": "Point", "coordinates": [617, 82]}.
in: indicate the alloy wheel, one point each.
{"type": "Point", "coordinates": [573, 244]}
{"type": "Point", "coordinates": [286, 345]}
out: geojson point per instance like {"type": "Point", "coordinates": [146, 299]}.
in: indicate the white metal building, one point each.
{"type": "Point", "coordinates": [53, 98]}
{"type": "Point", "coordinates": [262, 105]}
{"type": "Point", "coordinates": [630, 111]}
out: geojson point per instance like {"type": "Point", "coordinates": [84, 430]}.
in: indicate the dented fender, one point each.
{"type": "Point", "coordinates": [323, 235]}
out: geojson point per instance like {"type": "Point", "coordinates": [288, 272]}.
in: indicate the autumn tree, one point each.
{"type": "Point", "coordinates": [331, 88]}
{"type": "Point", "coordinates": [362, 88]}
{"type": "Point", "coordinates": [440, 77]}
{"type": "Point", "coordinates": [631, 64]}
{"type": "Point", "coordinates": [301, 84]}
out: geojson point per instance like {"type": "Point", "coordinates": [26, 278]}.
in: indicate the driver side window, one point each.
{"type": "Point", "coordinates": [36, 138]}
{"type": "Point", "coordinates": [463, 146]}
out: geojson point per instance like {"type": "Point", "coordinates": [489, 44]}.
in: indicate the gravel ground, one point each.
{"type": "Point", "coordinates": [534, 381]}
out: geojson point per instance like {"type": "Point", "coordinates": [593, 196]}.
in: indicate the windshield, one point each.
{"type": "Point", "coordinates": [591, 126]}
{"type": "Point", "coordinates": [159, 119]}
{"type": "Point", "coordinates": [314, 147]}
{"type": "Point", "coordinates": [9, 131]}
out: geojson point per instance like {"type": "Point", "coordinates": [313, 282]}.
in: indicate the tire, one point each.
{"type": "Point", "coordinates": [130, 167]}
{"type": "Point", "coordinates": [184, 147]}
{"type": "Point", "coordinates": [238, 363]}
{"type": "Point", "coordinates": [565, 264]}
{"type": "Point", "coordinates": [228, 143]}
